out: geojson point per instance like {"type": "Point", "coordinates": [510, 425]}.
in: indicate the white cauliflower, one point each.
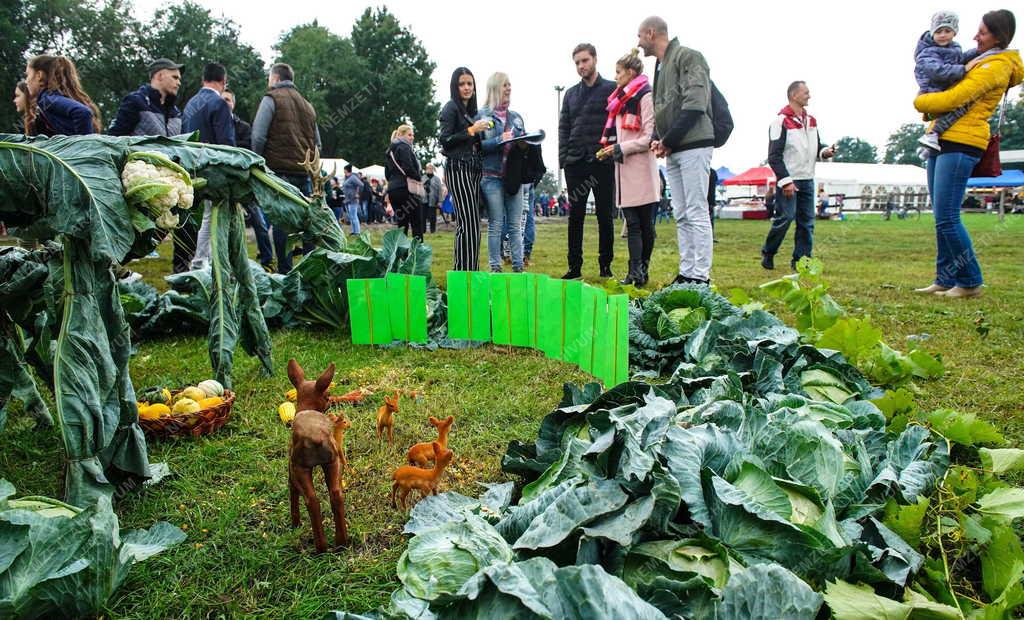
{"type": "Point", "coordinates": [157, 185]}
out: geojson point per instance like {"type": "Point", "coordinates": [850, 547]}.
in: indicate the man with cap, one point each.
{"type": "Point", "coordinates": [151, 110]}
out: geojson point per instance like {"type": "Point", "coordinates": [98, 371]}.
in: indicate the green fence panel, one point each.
{"type": "Point", "coordinates": [407, 304]}
{"type": "Point", "coordinates": [618, 321]}
{"type": "Point", "coordinates": [469, 312]}
{"type": "Point", "coordinates": [510, 319]}
{"type": "Point", "coordinates": [534, 308]}
{"type": "Point", "coordinates": [559, 318]}
{"type": "Point", "coordinates": [593, 315]}
{"type": "Point", "coordinates": [369, 318]}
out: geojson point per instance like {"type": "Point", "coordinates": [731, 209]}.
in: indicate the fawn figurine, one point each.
{"type": "Point", "coordinates": [386, 417]}
{"type": "Point", "coordinates": [317, 441]}
{"type": "Point", "coordinates": [408, 477]}
{"type": "Point", "coordinates": [423, 453]}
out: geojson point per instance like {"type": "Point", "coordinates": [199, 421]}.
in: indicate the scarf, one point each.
{"type": "Point", "coordinates": [625, 102]}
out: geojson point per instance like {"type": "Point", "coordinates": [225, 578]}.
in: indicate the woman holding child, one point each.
{"type": "Point", "coordinates": [991, 70]}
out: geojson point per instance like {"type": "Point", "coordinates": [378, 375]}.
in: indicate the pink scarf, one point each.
{"type": "Point", "coordinates": [625, 101]}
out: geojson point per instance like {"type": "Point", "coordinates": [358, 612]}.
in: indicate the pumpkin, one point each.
{"type": "Point", "coordinates": [211, 402]}
{"type": "Point", "coordinates": [211, 387]}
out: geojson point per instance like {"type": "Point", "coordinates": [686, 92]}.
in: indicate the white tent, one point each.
{"type": "Point", "coordinates": [335, 165]}
{"type": "Point", "coordinates": [375, 171]}
{"type": "Point", "coordinates": [869, 186]}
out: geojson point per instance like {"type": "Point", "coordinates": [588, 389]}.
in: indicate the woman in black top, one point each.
{"type": "Point", "coordinates": [460, 143]}
{"type": "Point", "coordinates": [405, 187]}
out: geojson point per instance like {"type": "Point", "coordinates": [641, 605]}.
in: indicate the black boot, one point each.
{"type": "Point", "coordinates": [634, 276]}
{"type": "Point", "coordinates": [644, 273]}
{"type": "Point", "coordinates": [606, 271]}
{"type": "Point", "coordinates": [767, 261]}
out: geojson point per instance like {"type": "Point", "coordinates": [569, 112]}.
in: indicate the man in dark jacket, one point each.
{"type": "Point", "coordinates": [580, 125]}
{"type": "Point", "coordinates": [207, 113]}
{"type": "Point", "coordinates": [151, 110]}
{"type": "Point", "coordinates": [243, 139]}
{"type": "Point", "coordinates": [284, 132]}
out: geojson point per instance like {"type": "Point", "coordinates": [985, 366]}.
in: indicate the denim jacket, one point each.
{"type": "Point", "coordinates": [494, 153]}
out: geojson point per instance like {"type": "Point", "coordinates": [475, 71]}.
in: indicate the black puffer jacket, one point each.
{"type": "Point", "coordinates": [455, 140]}
{"type": "Point", "coordinates": [582, 122]}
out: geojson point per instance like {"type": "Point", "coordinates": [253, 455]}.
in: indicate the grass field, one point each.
{"type": "Point", "coordinates": [242, 558]}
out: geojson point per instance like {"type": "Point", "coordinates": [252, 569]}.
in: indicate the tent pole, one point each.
{"type": "Point", "coordinates": [1002, 205]}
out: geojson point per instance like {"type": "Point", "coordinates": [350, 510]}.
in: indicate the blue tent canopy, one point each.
{"type": "Point", "coordinates": [1009, 178]}
{"type": "Point", "coordinates": [724, 173]}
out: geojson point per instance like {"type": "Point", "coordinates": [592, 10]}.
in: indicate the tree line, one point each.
{"type": "Point", "coordinates": [901, 147]}
{"type": "Point", "coordinates": [362, 85]}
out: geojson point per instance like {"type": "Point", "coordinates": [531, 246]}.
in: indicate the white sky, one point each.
{"type": "Point", "coordinates": [857, 57]}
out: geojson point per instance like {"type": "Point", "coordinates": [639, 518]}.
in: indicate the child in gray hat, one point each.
{"type": "Point", "coordinates": [939, 64]}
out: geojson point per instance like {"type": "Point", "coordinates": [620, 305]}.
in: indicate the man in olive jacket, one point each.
{"type": "Point", "coordinates": [284, 132]}
{"type": "Point", "coordinates": [684, 135]}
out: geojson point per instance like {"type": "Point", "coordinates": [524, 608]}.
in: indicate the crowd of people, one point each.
{"type": "Point", "coordinates": [611, 134]}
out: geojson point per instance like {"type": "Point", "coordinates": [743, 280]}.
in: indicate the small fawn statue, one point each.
{"type": "Point", "coordinates": [386, 417]}
{"type": "Point", "coordinates": [409, 477]}
{"type": "Point", "coordinates": [317, 441]}
{"type": "Point", "coordinates": [423, 453]}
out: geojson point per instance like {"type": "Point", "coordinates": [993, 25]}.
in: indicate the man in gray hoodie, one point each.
{"type": "Point", "coordinates": [351, 188]}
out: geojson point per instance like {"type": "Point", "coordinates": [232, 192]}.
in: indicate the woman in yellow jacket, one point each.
{"type": "Point", "coordinates": [989, 75]}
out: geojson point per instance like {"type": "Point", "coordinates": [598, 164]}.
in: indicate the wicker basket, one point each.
{"type": "Point", "coordinates": [196, 424]}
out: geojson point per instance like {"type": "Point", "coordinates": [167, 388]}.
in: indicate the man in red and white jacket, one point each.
{"type": "Point", "coordinates": [794, 146]}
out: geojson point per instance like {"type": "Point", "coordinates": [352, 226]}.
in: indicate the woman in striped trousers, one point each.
{"type": "Point", "coordinates": [460, 143]}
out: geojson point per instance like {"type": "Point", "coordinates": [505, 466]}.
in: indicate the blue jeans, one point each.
{"type": "Point", "coordinates": [955, 262]}
{"type": "Point", "coordinates": [503, 208]}
{"type": "Point", "coordinates": [353, 216]}
{"type": "Point", "coordinates": [799, 207]}
{"type": "Point", "coordinates": [529, 230]}
{"type": "Point", "coordinates": [259, 228]}
{"type": "Point", "coordinates": [364, 211]}
{"type": "Point", "coordinates": [284, 253]}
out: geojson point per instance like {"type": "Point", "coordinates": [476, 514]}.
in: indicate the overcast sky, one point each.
{"type": "Point", "coordinates": [857, 57]}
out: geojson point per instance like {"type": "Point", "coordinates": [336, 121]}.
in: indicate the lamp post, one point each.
{"type": "Point", "coordinates": [558, 114]}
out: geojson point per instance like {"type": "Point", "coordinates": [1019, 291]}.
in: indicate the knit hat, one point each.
{"type": "Point", "coordinates": [945, 19]}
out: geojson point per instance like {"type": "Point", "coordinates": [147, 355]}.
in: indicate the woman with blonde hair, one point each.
{"type": "Point", "coordinates": [627, 140]}
{"type": "Point", "coordinates": [62, 106]}
{"type": "Point", "coordinates": [502, 206]}
{"type": "Point", "coordinates": [405, 182]}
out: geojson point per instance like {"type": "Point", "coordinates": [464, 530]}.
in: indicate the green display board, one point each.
{"type": "Point", "coordinates": [559, 319]}
{"type": "Point", "coordinates": [592, 318]}
{"type": "Point", "coordinates": [407, 305]}
{"type": "Point", "coordinates": [469, 312]}
{"type": "Point", "coordinates": [368, 314]}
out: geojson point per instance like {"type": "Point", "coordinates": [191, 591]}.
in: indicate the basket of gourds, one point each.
{"type": "Point", "coordinates": [192, 411]}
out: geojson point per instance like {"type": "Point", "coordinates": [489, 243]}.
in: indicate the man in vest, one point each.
{"type": "Point", "coordinates": [284, 132]}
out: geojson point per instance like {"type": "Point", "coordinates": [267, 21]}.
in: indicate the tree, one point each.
{"type": "Point", "coordinates": [548, 184]}
{"type": "Point", "coordinates": [400, 89]}
{"type": "Point", "coordinates": [1012, 130]}
{"type": "Point", "coordinates": [13, 43]}
{"type": "Point", "coordinates": [901, 148]}
{"type": "Point", "coordinates": [855, 151]}
{"type": "Point", "coordinates": [337, 89]}
{"type": "Point", "coordinates": [187, 33]}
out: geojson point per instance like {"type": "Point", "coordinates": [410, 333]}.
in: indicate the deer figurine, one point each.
{"type": "Point", "coordinates": [317, 441]}
{"type": "Point", "coordinates": [409, 477]}
{"type": "Point", "coordinates": [385, 417]}
{"type": "Point", "coordinates": [423, 453]}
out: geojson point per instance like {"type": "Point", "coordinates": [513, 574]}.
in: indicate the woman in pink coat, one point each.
{"type": "Point", "coordinates": [627, 138]}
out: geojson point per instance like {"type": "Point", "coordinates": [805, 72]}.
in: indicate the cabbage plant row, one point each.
{"type": "Point", "coordinates": [766, 479]}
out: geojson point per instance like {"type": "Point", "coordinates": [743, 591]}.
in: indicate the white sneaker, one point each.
{"type": "Point", "coordinates": [930, 140]}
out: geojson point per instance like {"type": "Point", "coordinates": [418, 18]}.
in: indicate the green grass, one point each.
{"type": "Point", "coordinates": [242, 558]}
